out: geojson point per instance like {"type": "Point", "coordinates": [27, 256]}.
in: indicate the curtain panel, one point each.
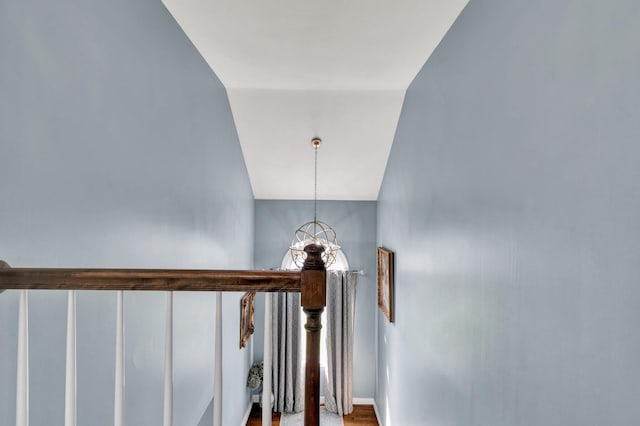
{"type": "Point", "coordinates": [288, 362]}
{"type": "Point", "coordinates": [287, 350]}
{"type": "Point", "coordinates": [341, 298]}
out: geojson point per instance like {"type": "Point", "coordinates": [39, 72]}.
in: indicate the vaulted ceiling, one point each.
{"type": "Point", "coordinates": [335, 69]}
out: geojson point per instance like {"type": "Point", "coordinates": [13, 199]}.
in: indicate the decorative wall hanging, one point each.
{"type": "Point", "coordinates": [246, 318]}
{"type": "Point", "coordinates": [385, 282]}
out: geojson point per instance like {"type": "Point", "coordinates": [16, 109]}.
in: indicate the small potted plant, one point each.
{"type": "Point", "coordinates": [254, 379]}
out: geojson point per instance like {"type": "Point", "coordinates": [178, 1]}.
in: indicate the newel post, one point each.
{"type": "Point", "coordinates": [313, 292]}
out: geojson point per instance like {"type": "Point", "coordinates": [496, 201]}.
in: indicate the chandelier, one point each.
{"type": "Point", "coordinates": [314, 232]}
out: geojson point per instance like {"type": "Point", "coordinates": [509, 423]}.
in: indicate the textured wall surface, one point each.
{"type": "Point", "coordinates": [354, 223]}
{"type": "Point", "coordinates": [117, 149]}
{"type": "Point", "coordinates": [511, 199]}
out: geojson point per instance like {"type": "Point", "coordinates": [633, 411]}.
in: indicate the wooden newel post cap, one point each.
{"type": "Point", "coordinates": [313, 286]}
{"type": "Point", "coordinates": [314, 258]}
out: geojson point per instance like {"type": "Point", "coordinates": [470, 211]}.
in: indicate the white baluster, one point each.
{"type": "Point", "coordinates": [168, 364]}
{"type": "Point", "coordinates": [70, 388]}
{"type": "Point", "coordinates": [22, 384]}
{"type": "Point", "coordinates": [118, 403]}
{"type": "Point", "coordinates": [266, 371]}
{"type": "Point", "coordinates": [217, 388]}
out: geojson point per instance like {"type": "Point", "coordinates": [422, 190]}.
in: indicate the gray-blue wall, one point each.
{"type": "Point", "coordinates": [117, 149]}
{"type": "Point", "coordinates": [354, 223]}
{"type": "Point", "coordinates": [512, 200]}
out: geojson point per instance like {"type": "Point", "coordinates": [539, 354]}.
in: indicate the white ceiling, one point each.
{"type": "Point", "coordinates": [299, 69]}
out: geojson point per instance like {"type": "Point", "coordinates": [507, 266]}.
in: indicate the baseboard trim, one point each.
{"type": "Point", "coordinates": [245, 419]}
{"type": "Point", "coordinates": [375, 409]}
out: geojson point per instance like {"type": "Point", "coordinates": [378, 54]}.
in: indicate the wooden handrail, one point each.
{"type": "Point", "coordinates": [310, 282]}
{"type": "Point", "coordinates": [148, 279]}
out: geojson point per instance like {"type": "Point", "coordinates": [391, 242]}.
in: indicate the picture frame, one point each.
{"type": "Point", "coordinates": [246, 317]}
{"type": "Point", "coordinates": [386, 282]}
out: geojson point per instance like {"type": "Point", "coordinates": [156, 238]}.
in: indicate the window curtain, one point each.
{"type": "Point", "coordinates": [341, 298]}
{"type": "Point", "coordinates": [288, 363]}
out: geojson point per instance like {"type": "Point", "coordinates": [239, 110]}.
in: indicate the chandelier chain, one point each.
{"type": "Point", "coordinates": [315, 185]}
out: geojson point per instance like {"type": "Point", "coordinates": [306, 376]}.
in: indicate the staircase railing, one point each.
{"type": "Point", "coordinates": [310, 282]}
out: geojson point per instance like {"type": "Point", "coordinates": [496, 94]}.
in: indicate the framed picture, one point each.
{"type": "Point", "coordinates": [385, 282]}
{"type": "Point", "coordinates": [246, 318]}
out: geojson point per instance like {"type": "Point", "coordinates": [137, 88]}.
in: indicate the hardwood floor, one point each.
{"type": "Point", "coordinates": [255, 418]}
{"type": "Point", "coordinates": [363, 415]}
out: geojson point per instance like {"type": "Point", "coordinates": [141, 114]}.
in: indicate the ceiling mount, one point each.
{"type": "Point", "coordinates": [316, 142]}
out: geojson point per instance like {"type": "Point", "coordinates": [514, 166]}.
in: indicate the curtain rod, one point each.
{"type": "Point", "coordinates": [355, 271]}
